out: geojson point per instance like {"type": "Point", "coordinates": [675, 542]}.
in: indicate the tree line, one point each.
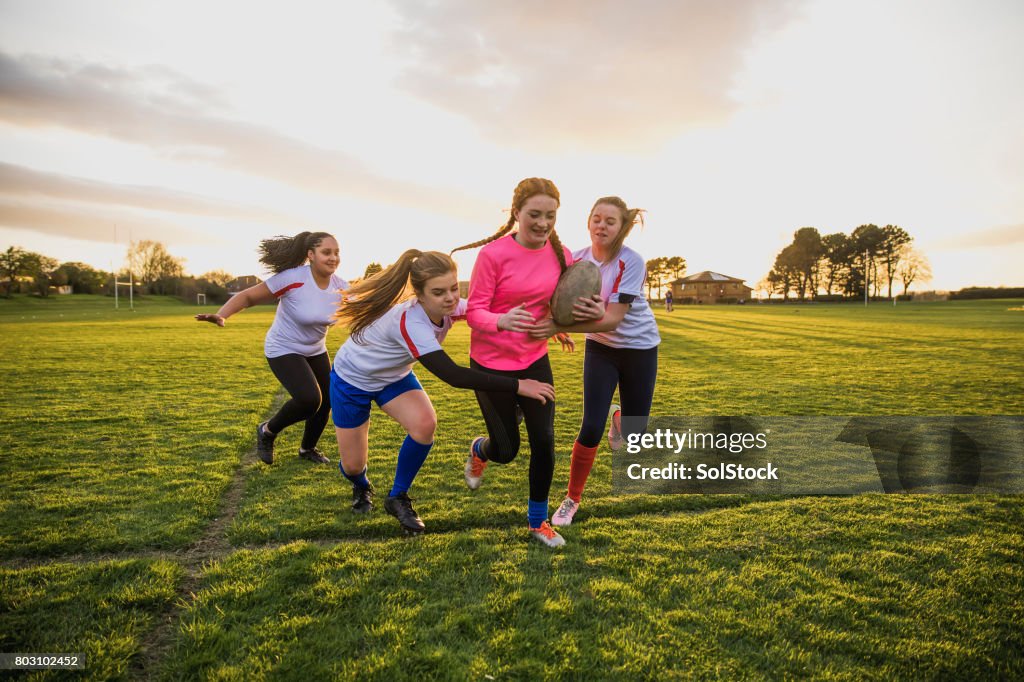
{"type": "Point", "coordinates": [813, 266]}
{"type": "Point", "coordinates": [148, 264]}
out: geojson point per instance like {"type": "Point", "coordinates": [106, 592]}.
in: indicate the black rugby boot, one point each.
{"type": "Point", "coordinates": [265, 444]}
{"type": "Point", "coordinates": [362, 498]}
{"type": "Point", "coordinates": [400, 506]}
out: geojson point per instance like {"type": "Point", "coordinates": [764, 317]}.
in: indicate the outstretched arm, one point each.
{"type": "Point", "coordinates": [444, 368]}
{"type": "Point", "coordinates": [254, 295]}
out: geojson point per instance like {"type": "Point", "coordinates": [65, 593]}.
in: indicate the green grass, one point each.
{"type": "Point", "coordinates": [876, 586]}
{"type": "Point", "coordinates": [103, 610]}
{"type": "Point", "coordinates": [121, 430]}
{"type": "Point", "coordinates": [120, 433]}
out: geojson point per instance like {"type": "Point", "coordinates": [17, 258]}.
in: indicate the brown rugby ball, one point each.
{"type": "Point", "coordinates": [579, 279]}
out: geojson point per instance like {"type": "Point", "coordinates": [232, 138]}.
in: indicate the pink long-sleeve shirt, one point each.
{"type": "Point", "coordinates": [507, 274]}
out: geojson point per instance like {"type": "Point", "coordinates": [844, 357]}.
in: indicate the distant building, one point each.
{"type": "Point", "coordinates": [463, 289]}
{"type": "Point", "coordinates": [242, 283]}
{"type": "Point", "coordinates": [710, 287]}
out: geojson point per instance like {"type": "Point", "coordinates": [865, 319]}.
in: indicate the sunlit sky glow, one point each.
{"type": "Point", "coordinates": [210, 126]}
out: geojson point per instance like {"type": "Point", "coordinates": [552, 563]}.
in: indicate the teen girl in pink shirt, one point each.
{"type": "Point", "coordinates": [510, 289]}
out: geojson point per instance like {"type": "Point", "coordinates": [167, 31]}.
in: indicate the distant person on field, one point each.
{"type": "Point", "coordinates": [622, 347]}
{"type": "Point", "coordinates": [511, 287]}
{"type": "Point", "coordinates": [308, 293]}
{"type": "Point", "coordinates": [390, 332]}
{"type": "Point", "coordinates": [668, 300]}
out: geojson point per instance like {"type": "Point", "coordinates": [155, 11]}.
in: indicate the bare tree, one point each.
{"type": "Point", "coordinates": [153, 265]}
{"type": "Point", "coordinates": [914, 267]}
{"type": "Point", "coordinates": [890, 250]}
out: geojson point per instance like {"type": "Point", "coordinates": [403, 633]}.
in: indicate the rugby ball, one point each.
{"type": "Point", "coordinates": [579, 279]}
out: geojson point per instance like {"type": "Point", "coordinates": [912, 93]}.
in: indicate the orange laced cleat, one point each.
{"type": "Point", "coordinates": [547, 535]}
{"type": "Point", "coordinates": [474, 466]}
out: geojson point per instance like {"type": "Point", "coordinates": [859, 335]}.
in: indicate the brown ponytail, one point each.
{"type": "Point", "coordinates": [281, 253]}
{"type": "Point", "coordinates": [367, 300]}
{"type": "Point", "coordinates": [530, 187]}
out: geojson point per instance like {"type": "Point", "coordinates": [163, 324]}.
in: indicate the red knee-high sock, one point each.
{"type": "Point", "coordinates": [579, 469]}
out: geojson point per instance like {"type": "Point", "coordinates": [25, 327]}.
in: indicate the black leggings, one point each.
{"type": "Point", "coordinates": [633, 370]}
{"type": "Point", "coordinates": [499, 411]}
{"type": "Point", "coordinates": [308, 381]}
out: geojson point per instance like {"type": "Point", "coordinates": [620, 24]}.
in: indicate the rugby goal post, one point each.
{"type": "Point", "coordinates": [131, 291]}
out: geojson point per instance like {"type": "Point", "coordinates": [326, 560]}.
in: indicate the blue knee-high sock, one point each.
{"type": "Point", "coordinates": [410, 458]}
{"type": "Point", "coordinates": [359, 479]}
{"type": "Point", "coordinates": [537, 512]}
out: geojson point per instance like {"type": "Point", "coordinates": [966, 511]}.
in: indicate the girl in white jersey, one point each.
{"type": "Point", "coordinates": [388, 336]}
{"type": "Point", "coordinates": [295, 346]}
{"type": "Point", "coordinates": [622, 347]}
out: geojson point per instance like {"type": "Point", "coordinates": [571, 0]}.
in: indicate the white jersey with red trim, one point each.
{"type": "Point", "coordinates": [391, 345]}
{"type": "Point", "coordinates": [304, 312]}
{"type": "Point", "coordinates": [625, 275]}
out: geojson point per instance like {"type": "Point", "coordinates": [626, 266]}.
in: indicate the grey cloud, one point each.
{"type": "Point", "coordinates": [599, 75]}
{"type": "Point", "coordinates": [988, 237]}
{"type": "Point", "coordinates": [88, 224]}
{"type": "Point", "coordinates": [166, 112]}
{"type": "Point", "coordinates": [19, 181]}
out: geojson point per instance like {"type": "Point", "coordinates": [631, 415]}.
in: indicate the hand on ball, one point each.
{"type": "Point", "coordinates": [587, 309]}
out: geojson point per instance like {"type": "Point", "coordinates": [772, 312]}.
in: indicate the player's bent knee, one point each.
{"type": "Point", "coordinates": [424, 428]}
{"type": "Point", "coordinates": [503, 457]}
{"type": "Point", "coordinates": [309, 404]}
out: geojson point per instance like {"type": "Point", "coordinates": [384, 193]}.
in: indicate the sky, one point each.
{"type": "Point", "coordinates": [395, 125]}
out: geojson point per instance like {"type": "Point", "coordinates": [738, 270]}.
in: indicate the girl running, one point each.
{"type": "Point", "coordinates": [296, 345]}
{"type": "Point", "coordinates": [375, 364]}
{"type": "Point", "coordinates": [621, 348]}
{"type": "Point", "coordinates": [511, 286]}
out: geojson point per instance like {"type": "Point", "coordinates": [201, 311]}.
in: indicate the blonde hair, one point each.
{"type": "Point", "coordinates": [530, 187]}
{"type": "Point", "coordinates": [367, 300]}
{"type": "Point", "coordinates": [630, 217]}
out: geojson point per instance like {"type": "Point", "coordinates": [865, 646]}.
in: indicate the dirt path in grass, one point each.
{"type": "Point", "coordinates": [212, 546]}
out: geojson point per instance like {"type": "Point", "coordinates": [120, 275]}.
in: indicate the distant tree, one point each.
{"type": "Point", "coordinates": [786, 273]}
{"type": "Point", "coordinates": [835, 263]}
{"type": "Point", "coordinates": [656, 270]}
{"type": "Point", "coordinates": [43, 271]}
{"type": "Point", "coordinates": [151, 263]}
{"type": "Point", "coordinates": [867, 243]}
{"type": "Point", "coordinates": [804, 258]}
{"type": "Point", "coordinates": [913, 267]}
{"type": "Point", "coordinates": [676, 266]}
{"type": "Point", "coordinates": [890, 251]}
{"type": "Point", "coordinates": [84, 279]}
{"type": "Point", "coordinates": [775, 284]}
{"type": "Point", "coordinates": [218, 277]}
{"type": "Point", "coordinates": [767, 285]}
{"type": "Point", "coordinates": [372, 269]}
{"type": "Point", "coordinates": [14, 263]}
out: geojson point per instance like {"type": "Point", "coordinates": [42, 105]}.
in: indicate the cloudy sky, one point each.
{"type": "Point", "coordinates": [211, 125]}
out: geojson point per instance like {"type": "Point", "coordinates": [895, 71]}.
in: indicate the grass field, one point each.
{"type": "Point", "coordinates": [138, 527]}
